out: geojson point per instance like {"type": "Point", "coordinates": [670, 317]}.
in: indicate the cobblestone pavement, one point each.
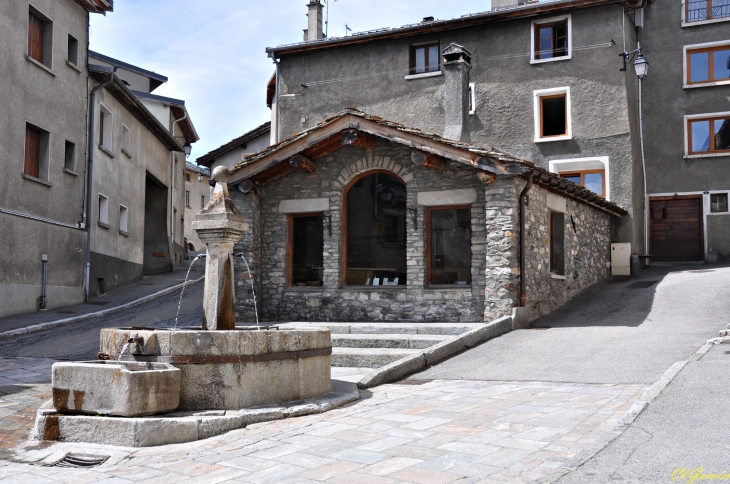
{"type": "Point", "coordinates": [413, 431]}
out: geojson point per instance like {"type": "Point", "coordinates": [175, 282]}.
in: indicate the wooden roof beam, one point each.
{"type": "Point", "coordinates": [303, 163]}
{"type": "Point", "coordinates": [273, 173]}
{"type": "Point", "coordinates": [353, 137]}
{"type": "Point", "coordinates": [428, 160]}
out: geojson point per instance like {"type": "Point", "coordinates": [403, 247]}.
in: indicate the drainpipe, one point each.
{"type": "Point", "coordinates": [643, 170]}
{"type": "Point", "coordinates": [172, 182]}
{"type": "Point", "coordinates": [523, 297]}
{"type": "Point", "coordinates": [90, 164]}
{"type": "Point", "coordinates": [276, 105]}
{"type": "Point", "coordinates": [44, 258]}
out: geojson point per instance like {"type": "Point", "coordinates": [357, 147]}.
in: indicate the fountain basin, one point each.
{"type": "Point", "coordinates": [231, 370]}
{"type": "Point", "coordinates": [123, 389]}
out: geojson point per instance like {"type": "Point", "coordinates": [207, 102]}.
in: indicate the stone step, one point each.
{"type": "Point", "coordinates": [408, 341]}
{"type": "Point", "coordinates": [368, 357]}
{"type": "Point", "coordinates": [452, 329]}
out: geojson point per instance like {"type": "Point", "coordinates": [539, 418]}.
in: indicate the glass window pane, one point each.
{"type": "Point", "coordinates": [700, 136]}
{"type": "Point", "coordinates": [721, 60]}
{"type": "Point", "coordinates": [307, 250]}
{"type": "Point", "coordinates": [545, 43]}
{"type": "Point", "coordinates": [722, 133]}
{"type": "Point", "coordinates": [561, 40]}
{"type": "Point", "coordinates": [420, 60]}
{"type": "Point", "coordinates": [553, 116]}
{"type": "Point", "coordinates": [574, 178]}
{"type": "Point", "coordinates": [699, 67]}
{"type": "Point", "coordinates": [594, 182]}
{"type": "Point", "coordinates": [376, 231]}
{"type": "Point", "coordinates": [451, 246]}
{"type": "Point", "coordinates": [696, 10]}
{"type": "Point", "coordinates": [433, 59]}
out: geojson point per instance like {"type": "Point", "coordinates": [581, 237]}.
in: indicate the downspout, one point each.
{"type": "Point", "coordinates": [89, 180]}
{"type": "Point", "coordinates": [276, 101]}
{"type": "Point", "coordinates": [523, 296]}
{"type": "Point", "coordinates": [172, 180]}
{"type": "Point", "coordinates": [643, 169]}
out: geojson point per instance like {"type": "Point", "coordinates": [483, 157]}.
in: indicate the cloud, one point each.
{"type": "Point", "coordinates": [214, 52]}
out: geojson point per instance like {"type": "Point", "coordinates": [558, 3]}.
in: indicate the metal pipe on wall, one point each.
{"type": "Point", "coordinates": [44, 258]}
{"type": "Point", "coordinates": [523, 296]}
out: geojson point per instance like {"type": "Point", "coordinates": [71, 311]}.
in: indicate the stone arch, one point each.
{"type": "Point", "coordinates": [372, 162]}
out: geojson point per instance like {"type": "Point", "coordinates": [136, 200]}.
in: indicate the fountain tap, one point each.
{"type": "Point", "coordinates": [136, 339]}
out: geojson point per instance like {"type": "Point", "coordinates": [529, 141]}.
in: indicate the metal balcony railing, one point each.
{"type": "Point", "coordinates": [699, 10]}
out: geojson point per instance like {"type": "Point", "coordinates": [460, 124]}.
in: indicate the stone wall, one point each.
{"type": "Point", "coordinates": [332, 301]}
{"type": "Point", "coordinates": [587, 251]}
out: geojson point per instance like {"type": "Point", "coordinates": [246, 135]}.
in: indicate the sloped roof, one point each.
{"type": "Point", "coordinates": [209, 157]}
{"type": "Point", "coordinates": [491, 160]}
{"type": "Point", "coordinates": [197, 169]}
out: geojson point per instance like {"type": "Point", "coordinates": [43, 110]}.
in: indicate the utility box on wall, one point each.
{"type": "Point", "coordinates": [621, 259]}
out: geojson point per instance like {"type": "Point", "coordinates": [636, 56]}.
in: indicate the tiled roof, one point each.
{"type": "Point", "coordinates": [208, 158]}
{"type": "Point", "coordinates": [517, 166]}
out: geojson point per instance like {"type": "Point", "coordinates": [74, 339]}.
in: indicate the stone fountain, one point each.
{"type": "Point", "coordinates": [215, 367]}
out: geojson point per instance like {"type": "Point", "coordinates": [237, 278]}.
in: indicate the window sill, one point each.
{"type": "Point", "coordinates": [557, 276]}
{"type": "Point", "coordinates": [73, 66]}
{"type": "Point", "coordinates": [708, 155]}
{"type": "Point", "coordinates": [122, 232]}
{"type": "Point", "coordinates": [706, 84]}
{"type": "Point", "coordinates": [305, 288]}
{"type": "Point", "coordinates": [705, 22]}
{"type": "Point", "coordinates": [423, 75]}
{"type": "Point", "coordinates": [373, 288]}
{"type": "Point", "coordinates": [553, 138]}
{"type": "Point", "coordinates": [70, 172]}
{"type": "Point", "coordinates": [129, 155]}
{"type": "Point", "coordinates": [102, 224]}
{"type": "Point", "coordinates": [106, 150]}
{"type": "Point", "coordinates": [37, 180]}
{"type": "Point", "coordinates": [40, 64]}
{"type": "Point", "coordinates": [552, 59]}
{"type": "Point", "coordinates": [719, 213]}
{"type": "Point", "coordinates": [448, 287]}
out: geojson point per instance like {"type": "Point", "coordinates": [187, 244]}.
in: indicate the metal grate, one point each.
{"type": "Point", "coordinates": [642, 284]}
{"type": "Point", "coordinates": [81, 461]}
{"type": "Point", "coordinates": [700, 10]}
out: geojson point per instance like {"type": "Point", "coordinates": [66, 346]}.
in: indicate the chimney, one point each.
{"type": "Point", "coordinates": [503, 4]}
{"type": "Point", "coordinates": [314, 23]}
{"type": "Point", "coordinates": [457, 64]}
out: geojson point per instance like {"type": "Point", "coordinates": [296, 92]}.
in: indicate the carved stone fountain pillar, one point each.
{"type": "Point", "coordinates": [219, 225]}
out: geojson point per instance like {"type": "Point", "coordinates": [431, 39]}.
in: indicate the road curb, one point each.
{"type": "Point", "coordinates": [435, 354]}
{"type": "Point", "coordinates": [104, 312]}
{"type": "Point", "coordinates": [649, 395]}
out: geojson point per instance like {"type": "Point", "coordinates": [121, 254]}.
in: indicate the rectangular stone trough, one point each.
{"type": "Point", "coordinates": [124, 389]}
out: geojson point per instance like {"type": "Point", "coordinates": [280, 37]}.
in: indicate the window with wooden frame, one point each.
{"type": "Point", "coordinates": [40, 37]}
{"type": "Point", "coordinates": [187, 177]}
{"type": "Point", "coordinates": [593, 180]}
{"type": "Point", "coordinates": [557, 243]}
{"type": "Point", "coordinates": [708, 135]}
{"type": "Point", "coordinates": [707, 64]}
{"type": "Point", "coordinates": [703, 10]}
{"type": "Point", "coordinates": [37, 147]}
{"type": "Point", "coordinates": [552, 114]}
{"type": "Point", "coordinates": [448, 232]}
{"type": "Point", "coordinates": [718, 202]}
{"type": "Point", "coordinates": [306, 249]}
{"type": "Point", "coordinates": [187, 198]}
{"type": "Point", "coordinates": [103, 211]}
{"type": "Point", "coordinates": [551, 39]}
{"type": "Point", "coordinates": [425, 58]}
{"type": "Point", "coordinates": [374, 230]}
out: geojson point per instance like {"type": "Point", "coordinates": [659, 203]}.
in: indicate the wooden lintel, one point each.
{"type": "Point", "coordinates": [273, 173]}
{"type": "Point", "coordinates": [357, 138]}
{"type": "Point", "coordinates": [303, 163]}
{"type": "Point", "coordinates": [427, 160]}
{"type": "Point", "coordinates": [486, 177]}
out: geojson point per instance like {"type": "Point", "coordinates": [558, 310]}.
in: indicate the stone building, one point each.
{"type": "Point", "coordinates": [359, 218]}
{"type": "Point", "coordinates": [43, 146]}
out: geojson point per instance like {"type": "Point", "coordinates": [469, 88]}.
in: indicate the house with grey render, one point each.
{"type": "Point", "coordinates": [43, 145]}
{"type": "Point", "coordinates": [231, 153]}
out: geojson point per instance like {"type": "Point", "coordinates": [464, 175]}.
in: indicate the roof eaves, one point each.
{"type": "Point", "coordinates": [127, 66]}
{"type": "Point", "coordinates": [234, 143]}
{"type": "Point", "coordinates": [159, 99]}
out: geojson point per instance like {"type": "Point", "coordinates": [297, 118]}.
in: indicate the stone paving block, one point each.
{"type": "Point", "coordinates": [277, 473]}
{"type": "Point", "coordinates": [389, 466]}
{"type": "Point", "coordinates": [305, 460]}
{"type": "Point", "coordinates": [359, 478]}
{"type": "Point", "coordinates": [250, 464]}
{"type": "Point", "coordinates": [360, 455]}
{"type": "Point", "coordinates": [425, 476]}
{"type": "Point", "coordinates": [328, 471]}
{"type": "Point", "coordinates": [447, 461]}
{"type": "Point", "coordinates": [384, 443]}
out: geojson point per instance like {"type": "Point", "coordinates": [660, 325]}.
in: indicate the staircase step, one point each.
{"type": "Point", "coordinates": [408, 341]}
{"type": "Point", "coordinates": [368, 357]}
{"type": "Point", "coordinates": [389, 328]}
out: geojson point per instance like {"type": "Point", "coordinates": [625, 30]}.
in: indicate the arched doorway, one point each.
{"type": "Point", "coordinates": [375, 230]}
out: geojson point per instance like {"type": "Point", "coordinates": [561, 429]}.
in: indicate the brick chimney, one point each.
{"type": "Point", "coordinates": [314, 22]}
{"type": "Point", "coordinates": [457, 64]}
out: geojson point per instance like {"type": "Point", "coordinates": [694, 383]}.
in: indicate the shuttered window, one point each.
{"type": "Point", "coordinates": [32, 164]}
{"type": "Point", "coordinates": [35, 37]}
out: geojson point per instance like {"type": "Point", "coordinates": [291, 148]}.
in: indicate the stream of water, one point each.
{"type": "Point", "coordinates": [253, 291]}
{"type": "Point", "coordinates": [124, 350]}
{"type": "Point", "coordinates": [183, 288]}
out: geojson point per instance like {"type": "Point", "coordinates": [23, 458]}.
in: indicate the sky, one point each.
{"type": "Point", "coordinates": [214, 52]}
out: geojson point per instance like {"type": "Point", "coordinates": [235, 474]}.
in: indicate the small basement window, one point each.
{"type": "Point", "coordinates": [40, 37]}
{"type": "Point", "coordinates": [37, 152]}
{"type": "Point", "coordinates": [425, 58]}
{"type": "Point", "coordinates": [306, 250]}
{"type": "Point", "coordinates": [708, 135]}
{"type": "Point", "coordinates": [718, 202]}
{"type": "Point", "coordinates": [449, 246]}
{"type": "Point", "coordinates": [557, 243]}
{"type": "Point", "coordinates": [73, 50]}
{"type": "Point", "coordinates": [69, 162]}
{"type": "Point", "coordinates": [103, 210]}
{"type": "Point", "coordinates": [551, 39]}
{"type": "Point", "coordinates": [123, 218]}
{"type": "Point", "coordinates": [552, 114]}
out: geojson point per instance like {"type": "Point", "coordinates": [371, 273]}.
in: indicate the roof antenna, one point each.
{"type": "Point", "coordinates": [327, 17]}
{"type": "Point", "coordinates": [347, 27]}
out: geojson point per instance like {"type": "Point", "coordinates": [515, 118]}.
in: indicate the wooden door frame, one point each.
{"type": "Point", "coordinates": [679, 197]}
{"type": "Point", "coordinates": [429, 240]}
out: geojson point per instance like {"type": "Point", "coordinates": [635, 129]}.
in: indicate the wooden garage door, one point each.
{"type": "Point", "coordinates": [676, 230]}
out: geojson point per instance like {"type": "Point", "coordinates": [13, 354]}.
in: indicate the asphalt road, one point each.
{"type": "Point", "coordinates": [610, 333]}
{"type": "Point", "coordinates": [80, 341]}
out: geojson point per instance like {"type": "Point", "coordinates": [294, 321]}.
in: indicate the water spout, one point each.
{"type": "Point", "coordinates": [182, 291]}
{"type": "Point", "coordinates": [124, 349]}
{"type": "Point", "coordinates": [253, 291]}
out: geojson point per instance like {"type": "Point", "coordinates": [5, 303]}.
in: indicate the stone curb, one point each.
{"type": "Point", "coordinates": [436, 353]}
{"type": "Point", "coordinates": [104, 312]}
{"type": "Point", "coordinates": [624, 422]}
{"type": "Point", "coordinates": [179, 427]}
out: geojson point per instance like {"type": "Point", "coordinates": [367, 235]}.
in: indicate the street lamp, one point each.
{"type": "Point", "coordinates": [641, 66]}
{"type": "Point", "coordinates": [188, 148]}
